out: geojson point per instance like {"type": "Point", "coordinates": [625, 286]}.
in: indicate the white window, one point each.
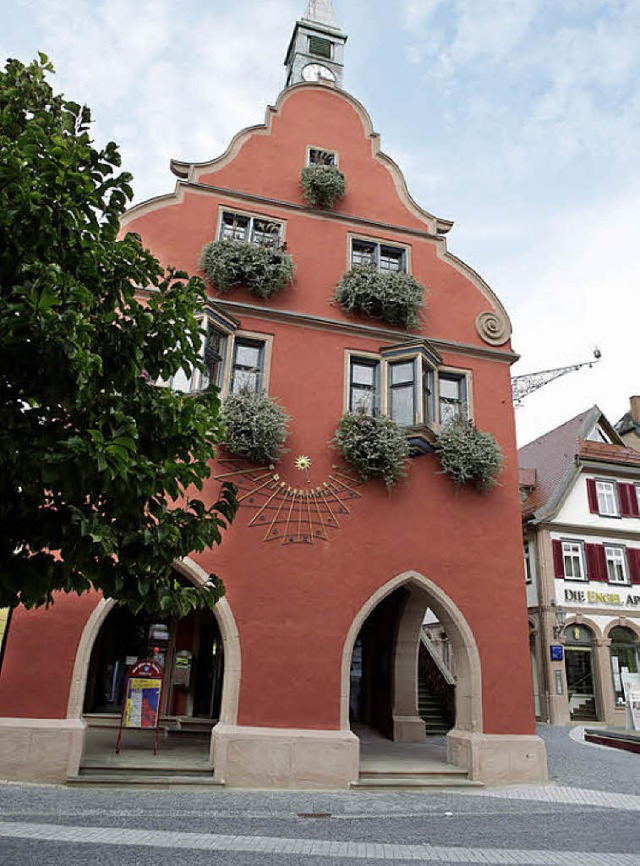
{"type": "Point", "coordinates": [638, 495]}
{"type": "Point", "coordinates": [381, 256]}
{"type": "Point", "coordinates": [616, 564]}
{"type": "Point", "coordinates": [251, 229]}
{"type": "Point", "coordinates": [572, 553]}
{"type": "Point", "coordinates": [528, 563]}
{"type": "Point", "coordinates": [607, 498]}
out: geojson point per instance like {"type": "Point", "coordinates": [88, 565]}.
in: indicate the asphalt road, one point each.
{"type": "Point", "coordinates": [589, 815]}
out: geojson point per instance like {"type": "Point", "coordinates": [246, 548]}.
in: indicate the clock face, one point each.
{"type": "Point", "coordinates": [317, 72]}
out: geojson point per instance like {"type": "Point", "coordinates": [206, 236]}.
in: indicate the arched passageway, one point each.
{"type": "Point", "coordinates": [381, 661]}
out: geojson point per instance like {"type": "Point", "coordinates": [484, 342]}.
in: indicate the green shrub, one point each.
{"type": "Point", "coordinates": [322, 185]}
{"type": "Point", "coordinates": [395, 297]}
{"type": "Point", "coordinates": [469, 456]}
{"type": "Point", "coordinates": [263, 270]}
{"type": "Point", "coordinates": [255, 427]}
{"type": "Point", "coordinates": [374, 447]}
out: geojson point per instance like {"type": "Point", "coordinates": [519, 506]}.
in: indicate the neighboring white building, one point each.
{"type": "Point", "coordinates": [581, 515]}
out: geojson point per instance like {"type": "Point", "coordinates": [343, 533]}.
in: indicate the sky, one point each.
{"type": "Point", "coordinates": [517, 119]}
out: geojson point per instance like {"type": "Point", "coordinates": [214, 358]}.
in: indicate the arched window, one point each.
{"type": "Point", "coordinates": [625, 657]}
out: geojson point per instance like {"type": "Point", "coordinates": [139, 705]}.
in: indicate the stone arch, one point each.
{"type": "Point", "coordinates": [423, 593]}
{"type": "Point", "coordinates": [624, 622]}
{"type": "Point", "coordinates": [228, 630]}
{"type": "Point", "coordinates": [581, 619]}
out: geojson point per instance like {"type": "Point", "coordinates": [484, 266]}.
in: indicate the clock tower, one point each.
{"type": "Point", "coordinates": [316, 50]}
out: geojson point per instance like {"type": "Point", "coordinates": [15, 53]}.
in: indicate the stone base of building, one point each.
{"type": "Point", "coordinates": [40, 750]}
{"type": "Point", "coordinates": [245, 757]}
{"type": "Point", "coordinates": [498, 759]}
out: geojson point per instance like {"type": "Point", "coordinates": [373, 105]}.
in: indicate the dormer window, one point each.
{"type": "Point", "coordinates": [250, 228]}
{"type": "Point", "coordinates": [320, 47]}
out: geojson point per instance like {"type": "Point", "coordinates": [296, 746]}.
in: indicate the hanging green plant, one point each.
{"type": "Point", "coordinates": [322, 185]}
{"type": "Point", "coordinates": [255, 426]}
{"type": "Point", "coordinates": [395, 297]}
{"type": "Point", "coordinates": [262, 270]}
{"type": "Point", "coordinates": [374, 447]}
{"type": "Point", "coordinates": [469, 456]}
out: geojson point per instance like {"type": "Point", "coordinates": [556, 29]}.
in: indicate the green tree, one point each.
{"type": "Point", "coordinates": [98, 465]}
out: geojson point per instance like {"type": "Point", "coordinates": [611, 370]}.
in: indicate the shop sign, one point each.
{"type": "Point", "coordinates": [557, 654]}
{"type": "Point", "coordinates": [588, 596]}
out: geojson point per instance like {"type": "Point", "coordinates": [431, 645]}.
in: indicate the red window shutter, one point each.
{"type": "Point", "coordinates": [558, 559]}
{"type": "Point", "coordinates": [602, 556]}
{"type": "Point", "coordinates": [624, 499]}
{"type": "Point", "coordinates": [592, 496]}
{"type": "Point", "coordinates": [596, 562]}
{"type": "Point", "coordinates": [634, 509]}
{"type": "Point", "coordinates": [593, 562]}
{"type": "Point", "coordinates": [633, 555]}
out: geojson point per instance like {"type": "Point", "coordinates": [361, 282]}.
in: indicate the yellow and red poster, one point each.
{"type": "Point", "coordinates": [142, 703]}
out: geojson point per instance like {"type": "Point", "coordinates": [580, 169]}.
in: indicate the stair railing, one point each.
{"type": "Point", "coordinates": [438, 679]}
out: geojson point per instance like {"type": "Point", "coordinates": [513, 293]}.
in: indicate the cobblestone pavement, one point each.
{"type": "Point", "coordinates": [587, 815]}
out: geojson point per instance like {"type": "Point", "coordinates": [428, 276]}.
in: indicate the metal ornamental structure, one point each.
{"type": "Point", "coordinates": [522, 386]}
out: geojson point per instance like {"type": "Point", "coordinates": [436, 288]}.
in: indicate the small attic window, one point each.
{"type": "Point", "coordinates": [320, 47]}
{"type": "Point", "coordinates": [317, 156]}
{"type": "Point", "coordinates": [597, 435]}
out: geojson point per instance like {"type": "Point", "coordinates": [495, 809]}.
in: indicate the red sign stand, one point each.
{"type": "Point", "coordinates": [142, 698]}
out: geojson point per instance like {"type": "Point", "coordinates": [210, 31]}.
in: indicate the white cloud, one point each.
{"type": "Point", "coordinates": [580, 287]}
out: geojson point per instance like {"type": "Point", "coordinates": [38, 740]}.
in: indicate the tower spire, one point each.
{"type": "Point", "coordinates": [321, 12]}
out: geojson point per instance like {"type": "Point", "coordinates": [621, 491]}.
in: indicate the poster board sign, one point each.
{"type": "Point", "coordinates": [631, 686]}
{"type": "Point", "coordinates": [142, 697]}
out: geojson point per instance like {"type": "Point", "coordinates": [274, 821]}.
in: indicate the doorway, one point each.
{"type": "Point", "coordinates": [579, 670]}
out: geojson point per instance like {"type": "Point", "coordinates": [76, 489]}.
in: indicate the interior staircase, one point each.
{"type": "Point", "coordinates": [432, 712]}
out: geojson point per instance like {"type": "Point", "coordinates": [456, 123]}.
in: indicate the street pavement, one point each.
{"type": "Point", "coordinates": [589, 815]}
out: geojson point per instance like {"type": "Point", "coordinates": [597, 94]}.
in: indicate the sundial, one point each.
{"type": "Point", "coordinates": [288, 513]}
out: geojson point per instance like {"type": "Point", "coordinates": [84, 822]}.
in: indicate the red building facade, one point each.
{"type": "Point", "coordinates": [299, 600]}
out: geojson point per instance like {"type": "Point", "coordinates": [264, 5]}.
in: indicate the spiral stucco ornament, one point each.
{"type": "Point", "coordinates": [493, 327]}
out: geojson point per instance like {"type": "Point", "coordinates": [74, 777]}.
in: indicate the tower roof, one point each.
{"type": "Point", "coordinates": [321, 11]}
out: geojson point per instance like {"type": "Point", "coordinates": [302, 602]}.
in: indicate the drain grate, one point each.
{"type": "Point", "coordinates": [314, 814]}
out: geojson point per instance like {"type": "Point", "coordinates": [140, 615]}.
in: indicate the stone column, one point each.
{"type": "Point", "coordinates": [605, 693]}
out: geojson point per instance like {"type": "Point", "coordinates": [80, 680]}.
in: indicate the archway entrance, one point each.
{"type": "Point", "coordinates": [392, 650]}
{"type": "Point", "coordinates": [190, 650]}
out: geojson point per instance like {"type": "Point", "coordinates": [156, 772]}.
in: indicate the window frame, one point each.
{"type": "Point", "coordinates": [584, 576]}
{"type": "Point", "coordinates": [378, 244]}
{"type": "Point", "coordinates": [252, 217]}
{"type": "Point", "coordinates": [425, 382]}
{"type": "Point", "coordinates": [364, 361]}
{"type": "Point", "coordinates": [611, 563]}
{"type": "Point", "coordinates": [614, 493]}
{"type": "Point", "coordinates": [529, 566]}
{"type": "Point", "coordinates": [311, 148]}
{"type": "Point", "coordinates": [462, 377]}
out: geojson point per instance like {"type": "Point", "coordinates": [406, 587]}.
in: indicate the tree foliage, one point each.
{"type": "Point", "coordinates": [98, 466]}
